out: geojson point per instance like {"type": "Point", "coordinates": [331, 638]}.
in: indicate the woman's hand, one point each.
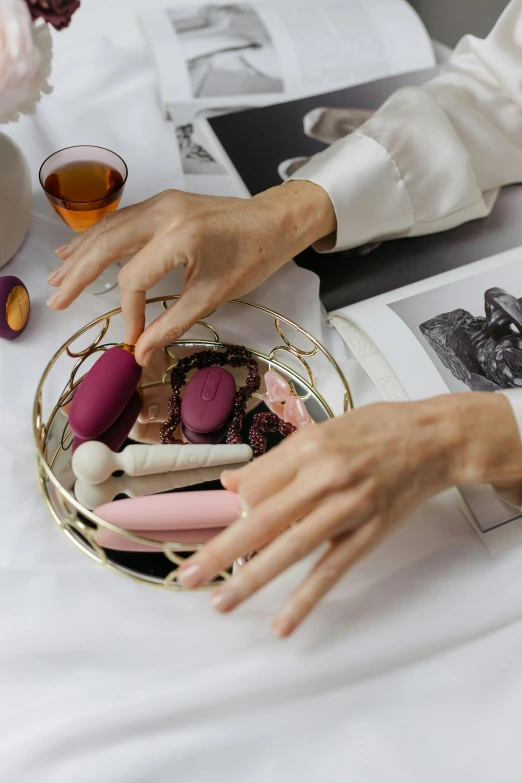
{"type": "Point", "coordinates": [227, 247]}
{"type": "Point", "coordinates": [347, 483]}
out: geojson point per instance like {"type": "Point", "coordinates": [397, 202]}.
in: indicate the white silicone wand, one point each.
{"type": "Point", "coordinates": [93, 495]}
{"type": "Point", "coordinates": [93, 462]}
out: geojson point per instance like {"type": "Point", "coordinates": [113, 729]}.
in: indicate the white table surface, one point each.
{"type": "Point", "coordinates": [409, 672]}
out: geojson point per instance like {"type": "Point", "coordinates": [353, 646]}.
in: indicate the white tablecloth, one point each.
{"type": "Point", "coordinates": [411, 670]}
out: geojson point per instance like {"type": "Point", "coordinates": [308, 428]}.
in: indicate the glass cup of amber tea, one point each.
{"type": "Point", "coordinates": [82, 185]}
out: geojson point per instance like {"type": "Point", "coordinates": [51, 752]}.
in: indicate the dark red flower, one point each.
{"type": "Point", "coordinates": [56, 12]}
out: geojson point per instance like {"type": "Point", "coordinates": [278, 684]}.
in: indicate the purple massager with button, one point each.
{"type": "Point", "coordinates": [207, 405]}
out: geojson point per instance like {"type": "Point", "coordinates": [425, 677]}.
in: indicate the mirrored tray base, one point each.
{"type": "Point", "coordinates": [283, 346]}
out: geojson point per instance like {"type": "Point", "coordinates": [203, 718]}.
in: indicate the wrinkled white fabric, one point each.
{"type": "Point", "coordinates": [409, 671]}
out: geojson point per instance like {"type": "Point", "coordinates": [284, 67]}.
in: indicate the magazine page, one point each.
{"type": "Point", "coordinates": [268, 48]}
{"type": "Point", "coordinates": [437, 336]}
{"type": "Point", "coordinates": [219, 58]}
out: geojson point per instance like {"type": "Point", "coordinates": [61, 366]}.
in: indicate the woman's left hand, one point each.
{"type": "Point", "coordinates": [347, 483]}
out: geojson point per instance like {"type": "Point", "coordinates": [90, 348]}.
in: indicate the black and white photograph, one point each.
{"type": "Point", "coordinates": [267, 145]}
{"type": "Point", "coordinates": [471, 329]}
{"type": "Point", "coordinates": [228, 50]}
{"type": "Point", "coordinates": [197, 157]}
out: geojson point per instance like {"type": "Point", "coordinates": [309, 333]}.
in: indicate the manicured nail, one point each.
{"type": "Point", "coordinates": [54, 274]}
{"type": "Point", "coordinates": [147, 357]}
{"type": "Point", "coordinates": [53, 299]}
{"type": "Point", "coordinates": [282, 627]}
{"type": "Point", "coordinates": [224, 599]}
{"type": "Point", "coordinates": [191, 576]}
{"type": "Point", "coordinates": [152, 412]}
{"type": "Point", "coordinates": [62, 248]}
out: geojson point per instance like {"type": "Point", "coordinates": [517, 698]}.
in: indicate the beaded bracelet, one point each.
{"type": "Point", "coordinates": [234, 356]}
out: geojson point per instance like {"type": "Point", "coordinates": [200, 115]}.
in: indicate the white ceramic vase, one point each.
{"type": "Point", "coordinates": [15, 198]}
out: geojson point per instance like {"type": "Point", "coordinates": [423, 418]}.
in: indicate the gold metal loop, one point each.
{"type": "Point", "coordinates": [290, 349]}
{"type": "Point", "coordinates": [81, 525]}
{"type": "Point", "coordinates": [90, 348]}
{"type": "Point", "coordinates": [293, 347]}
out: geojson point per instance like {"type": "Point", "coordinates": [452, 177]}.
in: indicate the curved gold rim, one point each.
{"type": "Point", "coordinates": [69, 506]}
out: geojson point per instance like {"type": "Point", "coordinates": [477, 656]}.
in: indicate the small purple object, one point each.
{"type": "Point", "coordinates": [14, 307]}
{"type": "Point", "coordinates": [104, 393]}
{"type": "Point", "coordinates": [119, 430]}
{"type": "Point", "coordinates": [204, 437]}
{"type": "Point", "coordinates": [207, 402]}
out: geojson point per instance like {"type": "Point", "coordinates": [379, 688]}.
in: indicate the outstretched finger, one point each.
{"type": "Point", "coordinates": [296, 543]}
{"type": "Point", "coordinates": [344, 552]}
{"type": "Point", "coordinates": [253, 531]}
{"type": "Point", "coordinates": [70, 253]}
{"type": "Point", "coordinates": [84, 267]}
{"type": "Point", "coordinates": [267, 474]}
{"type": "Point", "coordinates": [192, 305]}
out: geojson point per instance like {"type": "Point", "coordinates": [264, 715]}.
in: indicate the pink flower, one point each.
{"type": "Point", "coordinates": [56, 12]}
{"type": "Point", "coordinates": [25, 60]}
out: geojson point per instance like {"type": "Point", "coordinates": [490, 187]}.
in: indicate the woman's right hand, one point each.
{"type": "Point", "coordinates": [227, 247]}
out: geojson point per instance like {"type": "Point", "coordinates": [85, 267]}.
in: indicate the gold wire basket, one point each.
{"type": "Point", "coordinates": [275, 341]}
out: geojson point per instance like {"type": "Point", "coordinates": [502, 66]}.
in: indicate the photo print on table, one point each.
{"type": "Point", "coordinates": [471, 329]}
{"type": "Point", "coordinates": [194, 147]}
{"type": "Point", "coordinates": [485, 352]}
{"type": "Point", "coordinates": [228, 50]}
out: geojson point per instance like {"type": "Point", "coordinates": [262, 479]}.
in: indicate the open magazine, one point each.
{"type": "Point", "coordinates": [220, 58]}
{"type": "Point", "coordinates": [458, 332]}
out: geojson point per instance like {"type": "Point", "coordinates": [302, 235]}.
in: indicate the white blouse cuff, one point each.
{"type": "Point", "coordinates": [367, 191]}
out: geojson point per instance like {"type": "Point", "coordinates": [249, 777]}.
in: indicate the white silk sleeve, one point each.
{"type": "Point", "coordinates": [432, 157]}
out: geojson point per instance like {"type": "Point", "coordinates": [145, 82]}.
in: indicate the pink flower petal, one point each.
{"type": "Point", "coordinates": [275, 407]}
{"type": "Point", "coordinates": [295, 412]}
{"type": "Point", "coordinates": [25, 60]}
{"type": "Point", "coordinates": [276, 386]}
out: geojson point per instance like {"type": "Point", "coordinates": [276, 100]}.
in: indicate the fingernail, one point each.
{"type": "Point", "coordinates": [152, 412]}
{"type": "Point", "coordinates": [147, 357]}
{"type": "Point", "coordinates": [61, 248]}
{"type": "Point", "coordinates": [191, 576]}
{"type": "Point", "coordinates": [54, 274]}
{"type": "Point", "coordinates": [224, 599]}
{"type": "Point", "coordinates": [282, 627]}
{"type": "Point", "coordinates": [53, 299]}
